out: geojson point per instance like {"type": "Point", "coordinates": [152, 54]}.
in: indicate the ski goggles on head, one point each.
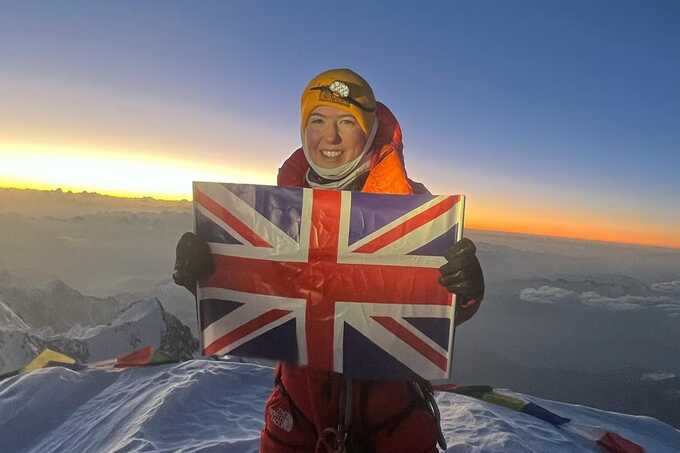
{"type": "Point", "coordinates": [339, 91]}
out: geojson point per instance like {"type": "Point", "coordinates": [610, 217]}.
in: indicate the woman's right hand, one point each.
{"type": "Point", "coordinates": [193, 261]}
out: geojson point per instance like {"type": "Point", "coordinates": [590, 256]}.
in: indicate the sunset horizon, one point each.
{"type": "Point", "coordinates": [474, 224]}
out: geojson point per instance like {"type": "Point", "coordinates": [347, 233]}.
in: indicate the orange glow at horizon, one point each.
{"type": "Point", "coordinates": [574, 227]}
{"type": "Point", "coordinates": [137, 174]}
{"type": "Point", "coordinates": [112, 173]}
{"type": "Point", "coordinates": [587, 233]}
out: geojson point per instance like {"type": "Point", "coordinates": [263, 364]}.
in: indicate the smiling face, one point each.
{"type": "Point", "coordinates": [333, 137]}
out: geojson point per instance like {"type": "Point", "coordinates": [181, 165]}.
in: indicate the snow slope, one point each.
{"type": "Point", "coordinates": [208, 406]}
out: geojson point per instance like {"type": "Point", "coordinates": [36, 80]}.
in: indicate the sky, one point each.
{"type": "Point", "coordinates": [553, 118]}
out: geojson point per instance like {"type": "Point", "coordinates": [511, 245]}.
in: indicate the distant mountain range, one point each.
{"type": "Point", "coordinates": [58, 203]}
{"type": "Point", "coordinates": [56, 305]}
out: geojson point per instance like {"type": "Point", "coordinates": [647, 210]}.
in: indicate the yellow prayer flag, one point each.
{"type": "Point", "coordinates": [47, 356]}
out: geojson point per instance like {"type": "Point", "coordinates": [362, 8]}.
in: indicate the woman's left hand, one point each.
{"type": "Point", "coordinates": [462, 275]}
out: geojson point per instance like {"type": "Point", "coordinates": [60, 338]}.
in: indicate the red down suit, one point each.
{"type": "Point", "coordinates": [306, 401]}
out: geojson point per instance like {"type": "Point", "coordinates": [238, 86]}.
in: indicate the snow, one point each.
{"type": "Point", "coordinates": [193, 406]}
{"type": "Point", "coordinates": [10, 320]}
{"type": "Point", "coordinates": [175, 299]}
{"type": "Point", "coordinates": [16, 347]}
{"type": "Point", "coordinates": [210, 406]}
{"type": "Point", "coordinates": [142, 323]}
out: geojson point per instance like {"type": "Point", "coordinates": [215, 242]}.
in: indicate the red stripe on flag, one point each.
{"type": "Point", "coordinates": [323, 253]}
{"type": "Point", "coordinates": [403, 229]}
{"type": "Point", "coordinates": [228, 218]}
{"type": "Point", "coordinates": [412, 340]}
{"type": "Point", "coordinates": [243, 330]}
{"type": "Point", "coordinates": [345, 282]}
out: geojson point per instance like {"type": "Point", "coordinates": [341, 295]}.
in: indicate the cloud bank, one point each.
{"type": "Point", "coordinates": [553, 295]}
{"type": "Point", "coordinates": [667, 287]}
{"type": "Point", "coordinates": [547, 295]}
{"type": "Point", "coordinates": [657, 376]}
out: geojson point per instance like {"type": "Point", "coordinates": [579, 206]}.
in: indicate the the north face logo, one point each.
{"type": "Point", "coordinates": [281, 418]}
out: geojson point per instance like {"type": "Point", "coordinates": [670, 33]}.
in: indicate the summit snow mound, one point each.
{"type": "Point", "coordinates": [211, 406]}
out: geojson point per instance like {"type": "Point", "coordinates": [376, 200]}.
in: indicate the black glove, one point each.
{"type": "Point", "coordinates": [193, 261]}
{"type": "Point", "coordinates": [462, 275]}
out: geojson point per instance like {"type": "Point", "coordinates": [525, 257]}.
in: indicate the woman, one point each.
{"type": "Point", "coordinates": [349, 142]}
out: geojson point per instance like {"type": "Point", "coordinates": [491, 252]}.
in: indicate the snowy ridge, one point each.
{"type": "Point", "coordinates": [142, 323]}
{"type": "Point", "coordinates": [209, 406]}
{"type": "Point", "coordinates": [10, 320]}
{"type": "Point", "coordinates": [17, 347]}
{"type": "Point", "coordinates": [174, 299]}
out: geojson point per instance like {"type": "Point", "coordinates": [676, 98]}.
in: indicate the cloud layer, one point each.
{"type": "Point", "coordinates": [657, 376]}
{"type": "Point", "coordinates": [547, 295]}
{"type": "Point", "coordinates": [553, 295]}
{"type": "Point", "coordinates": [667, 287]}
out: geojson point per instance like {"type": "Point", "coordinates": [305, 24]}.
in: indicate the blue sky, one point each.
{"type": "Point", "coordinates": [567, 110]}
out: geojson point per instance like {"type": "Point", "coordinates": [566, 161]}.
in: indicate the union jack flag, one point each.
{"type": "Point", "coordinates": [337, 280]}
